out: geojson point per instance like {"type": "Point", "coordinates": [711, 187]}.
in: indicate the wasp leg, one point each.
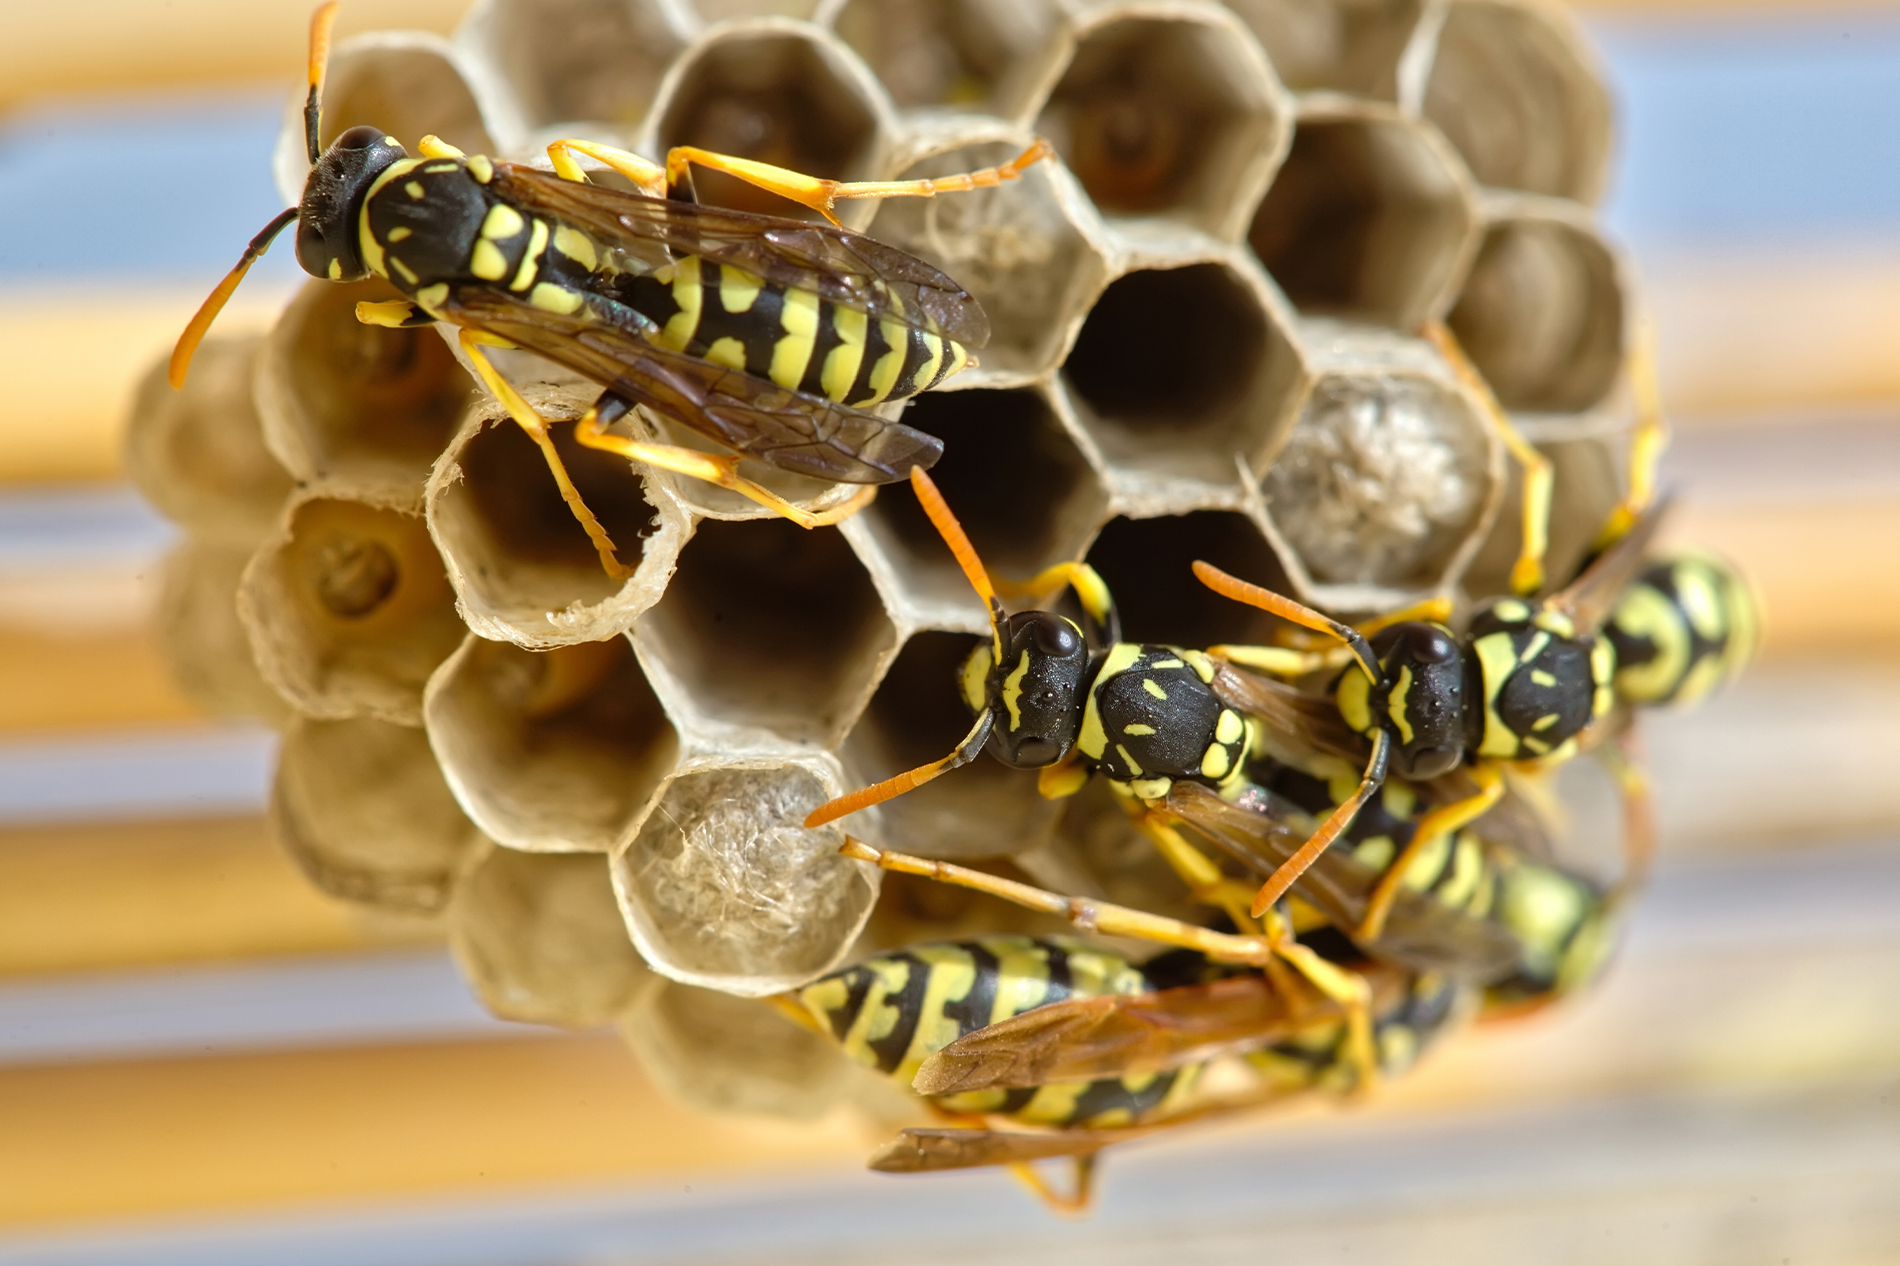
{"type": "Point", "coordinates": [592, 431]}
{"type": "Point", "coordinates": [1443, 820]}
{"type": "Point", "coordinates": [647, 177]}
{"type": "Point", "coordinates": [1527, 574]}
{"type": "Point", "coordinates": [1282, 661]}
{"type": "Point", "coordinates": [436, 147]}
{"type": "Point", "coordinates": [1648, 439]}
{"type": "Point", "coordinates": [1081, 1191]}
{"type": "Point", "coordinates": [396, 314]}
{"type": "Point", "coordinates": [1337, 821]}
{"type": "Point", "coordinates": [537, 428]}
{"type": "Point", "coordinates": [821, 195]}
{"type": "Point", "coordinates": [1204, 880]}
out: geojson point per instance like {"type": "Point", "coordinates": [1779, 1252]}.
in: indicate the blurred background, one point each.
{"type": "Point", "coordinates": [203, 1060]}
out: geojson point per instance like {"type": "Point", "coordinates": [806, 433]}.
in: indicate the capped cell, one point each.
{"type": "Point", "coordinates": [348, 608]}
{"type": "Point", "coordinates": [595, 62]}
{"type": "Point", "coordinates": [975, 55]}
{"type": "Point", "coordinates": [1371, 217]}
{"type": "Point", "coordinates": [1350, 46]}
{"type": "Point", "coordinates": [1515, 87]}
{"type": "Point", "coordinates": [1175, 115]}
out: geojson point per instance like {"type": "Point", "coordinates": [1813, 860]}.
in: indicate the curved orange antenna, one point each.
{"type": "Point", "coordinates": [320, 23]}
{"type": "Point", "coordinates": [891, 788]}
{"type": "Point", "coordinates": [209, 309]}
{"type": "Point", "coordinates": [1266, 600]}
{"type": "Point", "coordinates": [965, 553]}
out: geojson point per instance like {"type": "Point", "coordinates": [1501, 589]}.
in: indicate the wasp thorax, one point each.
{"type": "Point", "coordinates": [326, 219]}
{"type": "Point", "coordinates": [1542, 682]}
{"type": "Point", "coordinates": [1037, 691]}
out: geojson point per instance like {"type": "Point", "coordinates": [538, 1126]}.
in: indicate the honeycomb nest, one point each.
{"type": "Point", "coordinates": [1205, 313]}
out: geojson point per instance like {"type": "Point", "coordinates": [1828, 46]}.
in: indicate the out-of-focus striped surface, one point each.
{"type": "Point", "coordinates": [203, 1061]}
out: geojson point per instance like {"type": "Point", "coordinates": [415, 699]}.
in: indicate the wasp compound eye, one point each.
{"type": "Point", "coordinates": [362, 136]}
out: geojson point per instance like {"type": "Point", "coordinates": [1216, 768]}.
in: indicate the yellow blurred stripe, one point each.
{"type": "Point", "coordinates": [109, 1140]}
{"type": "Point", "coordinates": [108, 679]}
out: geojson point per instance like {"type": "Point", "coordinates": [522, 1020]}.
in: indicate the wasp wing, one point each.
{"type": "Point", "coordinates": [846, 268]}
{"type": "Point", "coordinates": [787, 429]}
{"type": "Point", "coordinates": [1589, 599]}
{"type": "Point", "coordinates": [925, 1151]}
{"type": "Point", "coordinates": [1299, 725]}
{"type": "Point", "coordinates": [1420, 934]}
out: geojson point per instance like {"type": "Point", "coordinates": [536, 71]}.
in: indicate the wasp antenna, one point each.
{"type": "Point", "coordinates": [891, 788]}
{"type": "Point", "coordinates": [208, 311]}
{"type": "Point", "coordinates": [320, 23]}
{"type": "Point", "coordinates": [953, 535]}
{"type": "Point", "coordinates": [1287, 609]}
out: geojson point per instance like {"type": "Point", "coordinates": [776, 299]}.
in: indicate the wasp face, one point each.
{"type": "Point", "coordinates": [1037, 692]}
{"type": "Point", "coordinates": [1421, 703]}
{"type": "Point", "coordinates": [326, 219]}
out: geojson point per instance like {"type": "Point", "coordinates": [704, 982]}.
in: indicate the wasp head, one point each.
{"type": "Point", "coordinates": [338, 182]}
{"type": "Point", "coordinates": [1036, 693]}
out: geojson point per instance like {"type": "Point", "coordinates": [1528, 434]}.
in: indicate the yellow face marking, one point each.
{"type": "Point", "coordinates": [1395, 705]}
{"type": "Point", "coordinates": [1215, 762]}
{"type": "Point", "coordinates": [976, 673]}
{"type": "Point", "coordinates": [531, 258]}
{"type": "Point", "coordinates": [480, 168]}
{"type": "Point", "coordinates": [487, 262]}
{"type": "Point", "coordinates": [552, 298]}
{"type": "Point", "coordinates": [1203, 666]}
{"type": "Point", "coordinates": [403, 270]}
{"type": "Point", "coordinates": [1134, 766]}
{"type": "Point", "coordinates": [1230, 727]}
{"type": "Point", "coordinates": [1138, 730]}
{"type": "Point", "coordinates": [336, 270]}
{"type": "Point", "coordinates": [841, 363]}
{"type": "Point", "coordinates": [1013, 692]}
{"type": "Point", "coordinates": [433, 297]}
{"type": "Point", "coordinates": [398, 233]}
{"type": "Point", "coordinates": [928, 370]}
{"type": "Point", "coordinates": [884, 373]}
{"type": "Point", "coordinates": [503, 222]}
{"type": "Point", "coordinates": [1153, 687]}
{"type": "Point", "coordinates": [729, 352]}
{"type": "Point", "coordinates": [738, 289]}
{"type": "Point", "coordinates": [577, 246]}
{"type": "Point", "coordinates": [414, 189]}
{"type": "Point", "coordinates": [680, 326]}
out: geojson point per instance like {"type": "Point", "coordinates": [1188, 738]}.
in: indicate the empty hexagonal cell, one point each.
{"type": "Point", "coordinates": [1516, 89]}
{"type": "Point", "coordinates": [408, 83]}
{"type": "Point", "coordinates": [552, 751]}
{"type": "Point", "coordinates": [1148, 566]}
{"type": "Point", "coordinates": [1023, 492]}
{"type": "Point", "coordinates": [206, 646]}
{"type": "Point", "coordinates": [917, 715]}
{"type": "Point", "coordinates": [198, 453]}
{"type": "Point", "coordinates": [1370, 216]}
{"type": "Point", "coordinates": [724, 888]}
{"type": "Point", "coordinates": [1541, 314]}
{"type": "Point", "coordinates": [724, 1054]}
{"type": "Point", "coordinates": [780, 92]}
{"type": "Point", "coordinates": [767, 625]}
{"type": "Point", "coordinates": [522, 565]}
{"type": "Point", "coordinates": [1339, 45]}
{"type": "Point", "coordinates": [1389, 471]}
{"type": "Point", "coordinates": [594, 61]}
{"type": "Point", "coordinates": [962, 54]}
{"type": "Point", "coordinates": [348, 609]}
{"type": "Point", "coordinates": [1587, 481]}
{"type": "Point", "coordinates": [363, 809]}
{"type": "Point", "coordinates": [1177, 370]}
{"type": "Point", "coordinates": [363, 406]}
{"type": "Point", "coordinates": [541, 939]}
{"type": "Point", "coordinates": [1028, 251]}
{"type": "Point", "coordinates": [1177, 116]}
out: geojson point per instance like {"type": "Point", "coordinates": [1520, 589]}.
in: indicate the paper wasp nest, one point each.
{"type": "Point", "coordinates": [1205, 312]}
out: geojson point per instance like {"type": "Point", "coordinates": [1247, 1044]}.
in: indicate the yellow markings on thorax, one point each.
{"type": "Point", "coordinates": [687, 296]}
{"type": "Point", "coordinates": [336, 269]}
{"type": "Point", "coordinates": [433, 297]}
{"type": "Point", "coordinates": [404, 270]}
{"type": "Point", "coordinates": [1230, 727]}
{"type": "Point", "coordinates": [842, 362]}
{"type": "Point", "coordinates": [1497, 660]}
{"type": "Point", "coordinates": [1217, 762]}
{"type": "Point", "coordinates": [414, 189]}
{"type": "Point", "coordinates": [1013, 692]}
{"type": "Point", "coordinates": [1202, 665]}
{"type": "Point", "coordinates": [1138, 730]}
{"type": "Point", "coordinates": [1134, 766]}
{"type": "Point", "coordinates": [531, 260]}
{"type": "Point", "coordinates": [399, 233]}
{"type": "Point", "coordinates": [1153, 687]}
{"type": "Point", "coordinates": [486, 260]}
{"type": "Point", "coordinates": [371, 249]}
{"type": "Point", "coordinates": [577, 246]}
{"type": "Point", "coordinates": [1092, 739]}
{"type": "Point", "coordinates": [738, 289]}
{"type": "Point", "coordinates": [552, 298]}
{"type": "Point", "coordinates": [791, 355]}
{"type": "Point", "coordinates": [481, 168]}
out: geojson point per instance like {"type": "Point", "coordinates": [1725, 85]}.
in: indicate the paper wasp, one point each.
{"type": "Point", "coordinates": [773, 337]}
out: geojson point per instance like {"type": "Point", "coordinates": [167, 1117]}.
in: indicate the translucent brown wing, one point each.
{"type": "Point", "coordinates": [1085, 1039]}
{"type": "Point", "coordinates": [1589, 599]}
{"type": "Point", "coordinates": [787, 429]}
{"type": "Point", "coordinates": [849, 269]}
{"type": "Point", "coordinates": [1300, 725]}
{"type": "Point", "coordinates": [924, 1151]}
{"type": "Point", "coordinates": [1421, 934]}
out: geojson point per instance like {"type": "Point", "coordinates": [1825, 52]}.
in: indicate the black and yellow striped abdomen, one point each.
{"type": "Point", "coordinates": [1565, 924]}
{"type": "Point", "coordinates": [1319, 1058]}
{"type": "Point", "coordinates": [1687, 624]}
{"type": "Point", "coordinates": [892, 1012]}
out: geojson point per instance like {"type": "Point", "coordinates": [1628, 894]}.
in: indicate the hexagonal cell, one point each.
{"type": "Point", "coordinates": [569, 61]}
{"type": "Point", "coordinates": [206, 647]}
{"type": "Point", "coordinates": [549, 751]}
{"type": "Point", "coordinates": [723, 888]}
{"type": "Point", "coordinates": [363, 810]}
{"type": "Point", "coordinates": [1515, 87]}
{"type": "Point", "coordinates": [522, 565]}
{"type": "Point", "coordinates": [365, 407]}
{"type": "Point", "coordinates": [1542, 312]}
{"type": "Point", "coordinates": [915, 910]}
{"type": "Point", "coordinates": [767, 626]}
{"type": "Point", "coordinates": [984, 809]}
{"type": "Point", "coordinates": [1029, 251]}
{"type": "Point", "coordinates": [1350, 46]}
{"type": "Point", "coordinates": [780, 92]}
{"type": "Point", "coordinates": [1023, 492]}
{"type": "Point", "coordinates": [1371, 217]}
{"type": "Point", "coordinates": [1176, 115]}
{"type": "Point", "coordinates": [408, 83]}
{"type": "Point", "coordinates": [198, 453]}
{"type": "Point", "coordinates": [962, 54]}
{"type": "Point", "coordinates": [541, 939]}
{"type": "Point", "coordinates": [718, 1053]}
{"type": "Point", "coordinates": [1177, 370]}
{"type": "Point", "coordinates": [1148, 566]}
{"type": "Point", "coordinates": [348, 609]}
{"type": "Point", "coordinates": [1587, 481]}
{"type": "Point", "coordinates": [1387, 475]}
